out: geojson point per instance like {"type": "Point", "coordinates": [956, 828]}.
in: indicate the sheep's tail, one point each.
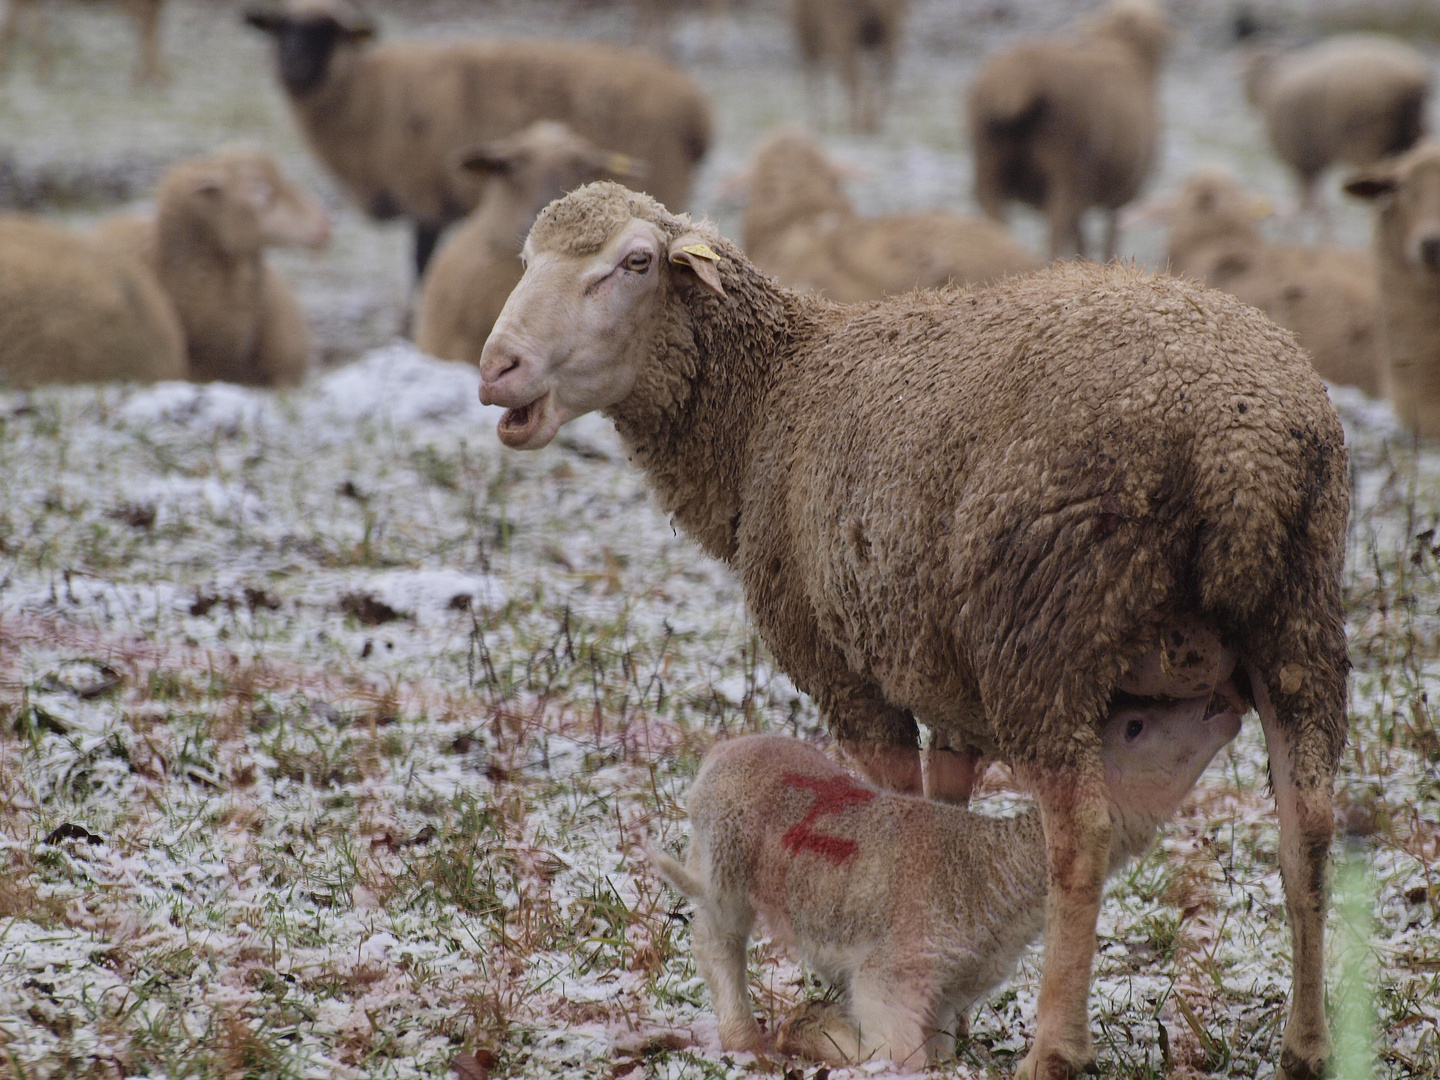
{"type": "Point", "coordinates": [678, 878]}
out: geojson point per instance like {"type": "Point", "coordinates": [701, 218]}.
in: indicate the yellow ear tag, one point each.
{"type": "Point", "coordinates": [620, 164]}
{"type": "Point", "coordinates": [700, 251]}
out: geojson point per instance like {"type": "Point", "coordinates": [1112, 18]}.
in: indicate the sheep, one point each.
{"type": "Point", "coordinates": [1407, 248]}
{"type": "Point", "coordinates": [1327, 295]}
{"type": "Point", "coordinates": [1067, 125]}
{"type": "Point", "coordinates": [801, 227]}
{"type": "Point", "coordinates": [858, 37]}
{"type": "Point", "coordinates": [915, 910]}
{"type": "Point", "coordinates": [1355, 98]}
{"type": "Point", "coordinates": [387, 119]}
{"type": "Point", "coordinates": [993, 509]}
{"type": "Point", "coordinates": [73, 311]}
{"type": "Point", "coordinates": [150, 62]}
{"type": "Point", "coordinates": [214, 217]}
{"type": "Point", "coordinates": [479, 264]}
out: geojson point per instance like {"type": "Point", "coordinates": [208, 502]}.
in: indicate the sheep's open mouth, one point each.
{"type": "Point", "coordinates": [520, 424]}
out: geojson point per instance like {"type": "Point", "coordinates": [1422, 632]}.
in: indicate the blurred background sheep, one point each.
{"type": "Point", "coordinates": [28, 21]}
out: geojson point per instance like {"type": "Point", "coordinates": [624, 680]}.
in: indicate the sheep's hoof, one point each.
{"type": "Point", "coordinates": [818, 1031]}
{"type": "Point", "coordinates": [1050, 1065]}
{"type": "Point", "coordinates": [1295, 1067]}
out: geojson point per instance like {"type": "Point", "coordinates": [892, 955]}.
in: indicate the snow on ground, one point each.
{"type": "Point", "coordinates": [329, 731]}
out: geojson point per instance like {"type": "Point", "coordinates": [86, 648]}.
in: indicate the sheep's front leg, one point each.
{"type": "Point", "coordinates": [1076, 816]}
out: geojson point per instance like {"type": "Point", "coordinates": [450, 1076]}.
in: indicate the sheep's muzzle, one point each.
{"type": "Point", "coordinates": [522, 423]}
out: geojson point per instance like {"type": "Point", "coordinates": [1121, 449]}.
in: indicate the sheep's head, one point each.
{"type": "Point", "coordinates": [790, 180]}
{"type": "Point", "coordinates": [1140, 25]}
{"type": "Point", "coordinates": [1212, 203]}
{"type": "Point", "coordinates": [239, 201]}
{"type": "Point", "coordinates": [1407, 189]}
{"type": "Point", "coordinates": [307, 35]}
{"type": "Point", "coordinates": [592, 313]}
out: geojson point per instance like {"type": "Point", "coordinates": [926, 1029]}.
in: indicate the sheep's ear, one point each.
{"type": "Point", "coordinates": [264, 18]}
{"type": "Point", "coordinates": [1372, 183]}
{"type": "Point", "coordinates": [694, 257]}
{"type": "Point", "coordinates": [492, 158]}
{"type": "Point", "coordinates": [360, 32]}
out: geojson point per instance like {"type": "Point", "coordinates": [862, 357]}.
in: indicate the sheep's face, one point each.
{"type": "Point", "coordinates": [574, 335]}
{"type": "Point", "coordinates": [1154, 750]}
{"type": "Point", "coordinates": [285, 215]}
{"type": "Point", "coordinates": [306, 41]}
{"type": "Point", "coordinates": [1408, 190]}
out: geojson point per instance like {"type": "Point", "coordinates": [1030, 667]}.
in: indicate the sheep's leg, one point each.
{"type": "Point", "coordinates": [1306, 828]}
{"type": "Point", "coordinates": [951, 772]}
{"type": "Point", "coordinates": [1075, 813]}
{"type": "Point", "coordinates": [852, 76]}
{"type": "Point", "coordinates": [1064, 214]}
{"type": "Point", "coordinates": [1112, 233]}
{"type": "Point", "coordinates": [10, 33]}
{"type": "Point", "coordinates": [720, 938]}
{"type": "Point", "coordinates": [427, 235]}
{"type": "Point", "coordinates": [151, 65]}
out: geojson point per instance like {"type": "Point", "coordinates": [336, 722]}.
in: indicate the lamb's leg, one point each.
{"type": "Point", "coordinates": [720, 939]}
{"type": "Point", "coordinates": [1075, 813]}
{"type": "Point", "coordinates": [951, 772]}
{"type": "Point", "coordinates": [1306, 827]}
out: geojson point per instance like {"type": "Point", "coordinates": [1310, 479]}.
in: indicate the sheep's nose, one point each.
{"type": "Point", "coordinates": [498, 359]}
{"type": "Point", "coordinates": [1430, 252]}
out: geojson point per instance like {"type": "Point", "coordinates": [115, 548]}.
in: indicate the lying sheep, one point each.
{"type": "Point", "coordinates": [1407, 247]}
{"type": "Point", "coordinates": [860, 39]}
{"type": "Point", "coordinates": [994, 509]}
{"type": "Point", "coordinates": [1327, 295]}
{"type": "Point", "coordinates": [1355, 98]}
{"type": "Point", "coordinates": [74, 311]}
{"type": "Point", "coordinates": [1067, 125]}
{"type": "Point", "coordinates": [214, 218]}
{"type": "Point", "coordinates": [801, 227]}
{"type": "Point", "coordinates": [915, 910]}
{"type": "Point", "coordinates": [387, 120]}
{"type": "Point", "coordinates": [150, 61]}
{"type": "Point", "coordinates": [473, 273]}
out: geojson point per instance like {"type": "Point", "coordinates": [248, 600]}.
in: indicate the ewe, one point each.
{"type": "Point", "coordinates": [1407, 246]}
{"type": "Point", "coordinates": [1327, 295]}
{"type": "Point", "coordinates": [801, 227]}
{"type": "Point", "coordinates": [473, 272]}
{"type": "Point", "coordinates": [916, 911]}
{"type": "Point", "coordinates": [1066, 125]}
{"type": "Point", "coordinates": [988, 508]}
{"type": "Point", "coordinates": [387, 120]}
{"type": "Point", "coordinates": [860, 39]}
{"type": "Point", "coordinates": [214, 218]}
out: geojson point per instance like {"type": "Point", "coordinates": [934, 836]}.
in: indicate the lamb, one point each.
{"type": "Point", "coordinates": [1327, 295]}
{"type": "Point", "coordinates": [996, 509]}
{"type": "Point", "coordinates": [388, 119]}
{"type": "Point", "coordinates": [215, 216]}
{"type": "Point", "coordinates": [1067, 125]}
{"type": "Point", "coordinates": [73, 311]}
{"type": "Point", "coordinates": [150, 62]}
{"type": "Point", "coordinates": [1407, 247]}
{"type": "Point", "coordinates": [915, 910]}
{"type": "Point", "coordinates": [801, 227]}
{"type": "Point", "coordinates": [860, 38]}
{"type": "Point", "coordinates": [1355, 98]}
{"type": "Point", "coordinates": [473, 273]}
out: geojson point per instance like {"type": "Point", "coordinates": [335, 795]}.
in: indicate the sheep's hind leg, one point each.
{"type": "Point", "coordinates": [720, 939]}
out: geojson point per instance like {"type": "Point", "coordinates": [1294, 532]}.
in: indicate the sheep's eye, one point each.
{"type": "Point", "coordinates": [638, 261]}
{"type": "Point", "coordinates": [1133, 729]}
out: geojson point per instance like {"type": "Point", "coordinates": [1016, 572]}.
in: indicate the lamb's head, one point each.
{"type": "Point", "coordinates": [527, 171]}
{"type": "Point", "coordinates": [1407, 190]}
{"type": "Point", "coordinates": [790, 180]}
{"type": "Point", "coordinates": [309, 35]}
{"type": "Point", "coordinates": [239, 202]}
{"type": "Point", "coordinates": [599, 312]}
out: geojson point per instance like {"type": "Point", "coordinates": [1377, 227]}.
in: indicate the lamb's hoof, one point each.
{"type": "Point", "coordinates": [1295, 1067]}
{"type": "Point", "coordinates": [817, 1031]}
{"type": "Point", "coordinates": [1050, 1065]}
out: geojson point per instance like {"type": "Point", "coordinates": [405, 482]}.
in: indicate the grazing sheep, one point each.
{"type": "Point", "coordinates": [1067, 125]}
{"type": "Point", "coordinates": [387, 120]}
{"type": "Point", "coordinates": [858, 37]}
{"type": "Point", "coordinates": [214, 218]}
{"type": "Point", "coordinates": [988, 508]}
{"type": "Point", "coordinates": [1327, 295]}
{"type": "Point", "coordinates": [1355, 98]}
{"type": "Point", "coordinates": [150, 61]}
{"type": "Point", "coordinates": [801, 227]}
{"type": "Point", "coordinates": [74, 311]}
{"type": "Point", "coordinates": [473, 272]}
{"type": "Point", "coordinates": [1407, 247]}
{"type": "Point", "coordinates": [914, 909]}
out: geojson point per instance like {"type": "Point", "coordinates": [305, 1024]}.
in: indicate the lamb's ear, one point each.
{"type": "Point", "coordinates": [1373, 182]}
{"type": "Point", "coordinates": [695, 257]}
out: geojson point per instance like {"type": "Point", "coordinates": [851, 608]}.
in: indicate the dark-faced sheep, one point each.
{"type": "Point", "coordinates": [1001, 510]}
{"type": "Point", "coordinates": [1327, 295]}
{"type": "Point", "coordinates": [149, 63]}
{"type": "Point", "coordinates": [72, 310]}
{"type": "Point", "coordinates": [914, 910]}
{"type": "Point", "coordinates": [1406, 191]}
{"type": "Point", "coordinates": [387, 120]}
{"type": "Point", "coordinates": [801, 227]}
{"type": "Point", "coordinates": [215, 216]}
{"type": "Point", "coordinates": [1355, 99]}
{"type": "Point", "coordinates": [860, 39]}
{"type": "Point", "coordinates": [473, 272]}
{"type": "Point", "coordinates": [1066, 125]}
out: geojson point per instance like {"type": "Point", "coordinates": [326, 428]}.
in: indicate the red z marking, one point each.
{"type": "Point", "coordinates": [831, 797]}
